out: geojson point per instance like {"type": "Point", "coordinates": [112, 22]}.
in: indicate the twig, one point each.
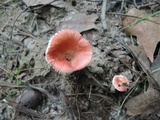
{"type": "Point", "coordinates": [11, 85]}
{"type": "Point", "coordinates": [103, 14]}
{"type": "Point", "coordinates": [146, 5]}
{"type": "Point", "coordinates": [47, 30]}
{"type": "Point", "coordinates": [132, 17]}
{"type": "Point", "coordinates": [135, 4]}
{"type": "Point", "coordinates": [11, 33]}
{"type": "Point", "coordinates": [96, 95]}
{"type": "Point", "coordinates": [122, 6]}
{"type": "Point", "coordinates": [90, 91]}
{"type": "Point", "coordinates": [45, 92]}
{"type": "Point", "coordinates": [7, 72]}
{"type": "Point", "coordinates": [21, 70]}
{"type": "Point", "coordinates": [26, 110]}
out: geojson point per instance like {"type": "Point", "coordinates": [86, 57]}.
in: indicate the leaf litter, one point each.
{"type": "Point", "coordinates": [79, 22]}
{"type": "Point", "coordinates": [147, 39]}
{"type": "Point", "coordinates": [80, 95]}
{"type": "Point", "coordinates": [55, 3]}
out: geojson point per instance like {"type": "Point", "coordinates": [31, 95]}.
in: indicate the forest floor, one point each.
{"type": "Point", "coordinates": [31, 90]}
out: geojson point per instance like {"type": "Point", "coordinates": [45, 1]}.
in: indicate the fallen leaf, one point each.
{"type": "Point", "coordinates": [155, 68]}
{"type": "Point", "coordinates": [56, 3]}
{"type": "Point", "coordinates": [147, 32]}
{"type": "Point", "coordinates": [143, 103]}
{"type": "Point", "coordinates": [40, 2]}
{"type": "Point", "coordinates": [139, 53]}
{"type": "Point", "coordinates": [79, 22]}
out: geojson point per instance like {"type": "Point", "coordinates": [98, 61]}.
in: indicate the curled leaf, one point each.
{"type": "Point", "coordinates": [145, 29]}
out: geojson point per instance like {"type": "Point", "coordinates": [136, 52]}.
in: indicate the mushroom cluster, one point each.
{"type": "Point", "coordinates": [68, 51]}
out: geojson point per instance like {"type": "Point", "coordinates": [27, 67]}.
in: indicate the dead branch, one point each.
{"type": "Point", "coordinates": [103, 14]}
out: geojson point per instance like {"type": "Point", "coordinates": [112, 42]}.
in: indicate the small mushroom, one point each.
{"type": "Point", "coordinates": [120, 82]}
{"type": "Point", "coordinates": [68, 51]}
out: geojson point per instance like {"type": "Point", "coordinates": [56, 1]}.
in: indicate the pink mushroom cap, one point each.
{"type": "Point", "coordinates": [68, 51]}
{"type": "Point", "coordinates": [120, 82]}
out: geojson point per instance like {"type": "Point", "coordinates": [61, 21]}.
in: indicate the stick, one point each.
{"type": "Point", "coordinates": [103, 14]}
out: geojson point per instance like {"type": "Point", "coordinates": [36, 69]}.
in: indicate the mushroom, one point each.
{"type": "Point", "coordinates": [120, 82]}
{"type": "Point", "coordinates": [68, 51]}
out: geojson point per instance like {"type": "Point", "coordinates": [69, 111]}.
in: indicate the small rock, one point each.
{"type": "Point", "coordinates": [31, 98]}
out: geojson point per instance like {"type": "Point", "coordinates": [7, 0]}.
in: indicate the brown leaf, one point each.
{"type": "Point", "coordinates": [155, 68]}
{"type": "Point", "coordinates": [59, 3]}
{"type": "Point", "coordinates": [79, 22]}
{"type": "Point", "coordinates": [138, 52]}
{"type": "Point", "coordinates": [143, 103]}
{"type": "Point", "coordinates": [147, 32]}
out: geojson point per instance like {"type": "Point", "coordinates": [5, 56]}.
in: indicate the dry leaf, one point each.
{"type": "Point", "coordinates": [138, 52]}
{"type": "Point", "coordinates": [59, 3]}
{"type": "Point", "coordinates": [143, 103]}
{"type": "Point", "coordinates": [147, 32]}
{"type": "Point", "coordinates": [155, 68]}
{"type": "Point", "coordinates": [79, 22]}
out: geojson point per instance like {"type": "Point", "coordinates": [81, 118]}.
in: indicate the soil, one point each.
{"type": "Point", "coordinates": [87, 94]}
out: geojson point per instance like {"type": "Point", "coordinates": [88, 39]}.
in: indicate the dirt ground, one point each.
{"type": "Point", "coordinates": [31, 90]}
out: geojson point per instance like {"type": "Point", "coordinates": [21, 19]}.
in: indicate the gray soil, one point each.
{"type": "Point", "coordinates": [87, 94]}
